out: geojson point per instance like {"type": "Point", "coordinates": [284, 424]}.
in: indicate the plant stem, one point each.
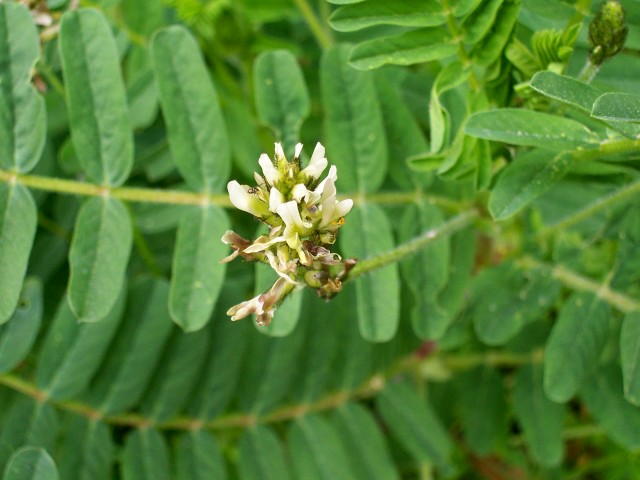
{"type": "Point", "coordinates": [455, 224]}
{"type": "Point", "coordinates": [176, 197]}
{"type": "Point", "coordinates": [575, 281]}
{"type": "Point", "coordinates": [322, 36]}
{"type": "Point", "coordinates": [332, 400]}
{"type": "Point", "coordinates": [602, 203]}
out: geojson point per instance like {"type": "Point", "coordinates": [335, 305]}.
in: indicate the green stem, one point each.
{"type": "Point", "coordinates": [131, 194]}
{"type": "Point", "coordinates": [456, 224]}
{"type": "Point", "coordinates": [175, 197]}
{"type": "Point", "coordinates": [575, 281]}
{"type": "Point", "coordinates": [603, 203]}
{"type": "Point", "coordinates": [368, 389]}
{"type": "Point", "coordinates": [322, 36]}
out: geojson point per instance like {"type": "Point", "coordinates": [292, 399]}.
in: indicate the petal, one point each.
{"type": "Point", "coordinates": [246, 308]}
{"type": "Point", "coordinates": [343, 207]}
{"type": "Point", "coordinates": [298, 150]}
{"type": "Point", "coordinates": [279, 152]}
{"type": "Point", "coordinates": [317, 164]}
{"type": "Point", "coordinates": [298, 192]}
{"type": "Point", "coordinates": [245, 201]}
{"type": "Point", "coordinates": [327, 187]}
{"type": "Point", "coordinates": [290, 215]}
{"type": "Point", "coordinates": [271, 173]}
{"type": "Point", "coordinates": [275, 199]}
{"type": "Point", "coordinates": [262, 243]}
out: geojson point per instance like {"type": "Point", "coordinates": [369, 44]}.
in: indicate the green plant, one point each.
{"type": "Point", "coordinates": [490, 327]}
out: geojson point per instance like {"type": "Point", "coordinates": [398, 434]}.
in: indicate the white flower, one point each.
{"type": "Point", "coordinates": [279, 152]}
{"type": "Point", "coordinates": [255, 305]}
{"type": "Point", "coordinates": [275, 199]}
{"type": "Point", "coordinates": [262, 243]}
{"type": "Point", "coordinates": [298, 150]}
{"type": "Point", "coordinates": [333, 211]}
{"type": "Point", "coordinates": [293, 223]}
{"type": "Point", "coordinates": [245, 201]}
{"type": "Point", "coordinates": [317, 163]}
{"type": "Point", "coordinates": [327, 187]}
{"type": "Point", "coordinates": [271, 173]}
{"type": "Point", "coordinates": [299, 191]}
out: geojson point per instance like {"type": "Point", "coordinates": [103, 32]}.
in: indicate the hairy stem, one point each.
{"type": "Point", "coordinates": [576, 281]}
{"type": "Point", "coordinates": [602, 203]}
{"type": "Point", "coordinates": [455, 224]}
{"type": "Point", "coordinates": [177, 197]}
{"type": "Point", "coordinates": [371, 387]}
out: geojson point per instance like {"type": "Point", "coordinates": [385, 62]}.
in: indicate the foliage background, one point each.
{"type": "Point", "coordinates": [491, 329]}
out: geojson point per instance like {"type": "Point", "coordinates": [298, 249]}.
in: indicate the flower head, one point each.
{"type": "Point", "coordinates": [304, 216]}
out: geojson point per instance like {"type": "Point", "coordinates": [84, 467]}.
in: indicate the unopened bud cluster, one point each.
{"type": "Point", "coordinates": [607, 32]}
{"type": "Point", "coordinates": [303, 215]}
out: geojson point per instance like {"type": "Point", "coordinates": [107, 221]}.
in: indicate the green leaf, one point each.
{"type": "Point", "coordinates": [176, 376]}
{"type": "Point", "coordinates": [96, 100]}
{"type": "Point", "coordinates": [482, 432]}
{"type": "Point", "coordinates": [145, 456]}
{"type": "Point", "coordinates": [197, 272]}
{"type": "Point", "coordinates": [316, 450]}
{"type": "Point", "coordinates": [282, 100]}
{"type": "Point", "coordinates": [98, 257]}
{"type": "Point", "coordinates": [530, 128]}
{"type": "Point", "coordinates": [417, 46]}
{"type": "Point", "coordinates": [409, 13]}
{"type": "Point", "coordinates": [630, 356]}
{"type": "Point", "coordinates": [87, 450]}
{"type": "Point", "coordinates": [449, 77]}
{"type": "Point", "coordinates": [365, 443]}
{"type": "Point", "coordinates": [525, 179]}
{"type": "Point", "coordinates": [494, 43]}
{"type": "Point", "coordinates": [223, 369]}
{"type": "Point", "coordinates": [462, 8]}
{"type": "Point", "coordinates": [540, 418]}
{"type": "Point", "coordinates": [478, 24]}
{"type": "Point", "coordinates": [72, 351]}
{"type": "Point", "coordinates": [18, 219]}
{"type": "Point", "coordinates": [353, 123]}
{"type": "Point", "coordinates": [427, 271]}
{"type": "Point", "coordinates": [368, 233]}
{"type": "Point", "coordinates": [262, 456]}
{"type": "Point", "coordinates": [603, 396]}
{"type": "Point", "coordinates": [136, 349]}
{"type": "Point", "coordinates": [575, 344]}
{"type": "Point", "coordinates": [524, 296]}
{"type": "Point", "coordinates": [22, 109]}
{"type": "Point", "coordinates": [30, 463]}
{"type": "Point", "coordinates": [403, 132]}
{"type": "Point", "coordinates": [622, 107]}
{"type": "Point", "coordinates": [269, 377]}
{"type": "Point", "coordinates": [403, 411]}
{"type": "Point", "coordinates": [566, 90]}
{"type": "Point", "coordinates": [17, 336]}
{"type": "Point", "coordinates": [199, 458]}
{"type": "Point", "coordinates": [196, 128]}
{"type": "Point", "coordinates": [28, 422]}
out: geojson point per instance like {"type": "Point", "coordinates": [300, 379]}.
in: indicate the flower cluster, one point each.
{"type": "Point", "coordinates": [303, 215]}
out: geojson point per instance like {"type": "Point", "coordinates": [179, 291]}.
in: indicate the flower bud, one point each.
{"type": "Point", "coordinates": [607, 32]}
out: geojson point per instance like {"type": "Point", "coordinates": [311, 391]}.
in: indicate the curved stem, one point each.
{"type": "Point", "coordinates": [455, 224]}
